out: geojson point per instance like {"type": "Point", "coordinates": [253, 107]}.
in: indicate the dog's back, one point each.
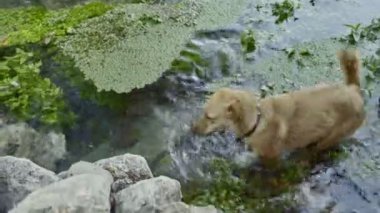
{"type": "Point", "coordinates": [327, 114]}
{"type": "Point", "coordinates": [323, 114]}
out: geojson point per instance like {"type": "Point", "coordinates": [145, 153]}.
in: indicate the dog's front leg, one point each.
{"type": "Point", "coordinates": [269, 142]}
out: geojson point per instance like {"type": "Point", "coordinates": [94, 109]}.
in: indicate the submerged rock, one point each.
{"type": "Point", "coordinates": [126, 170]}
{"type": "Point", "coordinates": [81, 193]}
{"type": "Point", "coordinates": [148, 195]}
{"type": "Point", "coordinates": [18, 178]}
{"type": "Point", "coordinates": [20, 140]}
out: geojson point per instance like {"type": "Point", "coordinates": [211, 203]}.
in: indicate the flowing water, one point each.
{"type": "Point", "coordinates": [155, 124]}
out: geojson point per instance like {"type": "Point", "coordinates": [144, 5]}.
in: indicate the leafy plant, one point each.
{"type": "Point", "coordinates": [29, 96]}
{"type": "Point", "coordinates": [355, 33]}
{"type": "Point", "coordinates": [234, 194]}
{"type": "Point", "coordinates": [285, 10]}
{"type": "Point", "coordinates": [33, 24]}
{"type": "Point", "coordinates": [372, 64]}
{"type": "Point", "coordinates": [358, 32]}
{"type": "Point", "coordinates": [248, 41]}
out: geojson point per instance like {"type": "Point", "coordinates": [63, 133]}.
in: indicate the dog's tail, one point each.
{"type": "Point", "coordinates": [350, 65]}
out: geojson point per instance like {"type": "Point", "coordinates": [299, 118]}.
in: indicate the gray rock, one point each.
{"type": "Point", "coordinates": [18, 178]}
{"type": "Point", "coordinates": [148, 195]}
{"type": "Point", "coordinates": [86, 193]}
{"type": "Point", "coordinates": [180, 207]}
{"type": "Point", "coordinates": [63, 175]}
{"type": "Point", "coordinates": [20, 140]}
{"type": "Point", "coordinates": [126, 170]}
{"type": "Point", "coordinates": [314, 200]}
{"type": "Point", "coordinates": [83, 167]}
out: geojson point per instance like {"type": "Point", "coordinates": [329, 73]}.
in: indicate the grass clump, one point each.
{"type": "Point", "coordinates": [27, 95]}
{"type": "Point", "coordinates": [284, 10]}
{"type": "Point", "coordinates": [248, 41]}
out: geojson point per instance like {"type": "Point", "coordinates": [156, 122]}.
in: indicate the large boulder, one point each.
{"type": "Point", "coordinates": [148, 195]}
{"type": "Point", "coordinates": [86, 193]}
{"type": "Point", "coordinates": [20, 140]}
{"type": "Point", "coordinates": [83, 167]}
{"type": "Point", "coordinates": [126, 170]}
{"type": "Point", "coordinates": [18, 178]}
{"type": "Point", "coordinates": [180, 207]}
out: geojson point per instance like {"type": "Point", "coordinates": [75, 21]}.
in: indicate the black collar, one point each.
{"type": "Point", "coordinates": [251, 131]}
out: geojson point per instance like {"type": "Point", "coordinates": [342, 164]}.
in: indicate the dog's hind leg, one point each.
{"type": "Point", "coordinates": [337, 136]}
{"type": "Point", "coordinates": [329, 141]}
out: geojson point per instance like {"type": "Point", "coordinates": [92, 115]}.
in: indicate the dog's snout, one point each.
{"type": "Point", "coordinates": [194, 127]}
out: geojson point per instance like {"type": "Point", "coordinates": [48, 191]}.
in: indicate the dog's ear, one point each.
{"type": "Point", "coordinates": [233, 108]}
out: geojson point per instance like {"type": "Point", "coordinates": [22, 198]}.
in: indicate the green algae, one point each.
{"type": "Point", "coordinates": [22, 26]}
{"type": "Point", "coordinates": [130, 52]}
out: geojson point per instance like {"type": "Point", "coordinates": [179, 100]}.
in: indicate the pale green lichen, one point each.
{"type": "Point", "coordinates": [132, 46]}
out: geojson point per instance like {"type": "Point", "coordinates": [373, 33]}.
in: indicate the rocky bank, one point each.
{"type": "Point", "coordinates": [119, 184]}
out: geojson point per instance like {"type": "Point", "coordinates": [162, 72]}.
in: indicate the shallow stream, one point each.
{"type": "Point", "coordinates": [155, 123]}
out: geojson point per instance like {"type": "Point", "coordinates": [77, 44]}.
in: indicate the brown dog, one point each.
{"type": "Point", "coordinates": [322, 115]}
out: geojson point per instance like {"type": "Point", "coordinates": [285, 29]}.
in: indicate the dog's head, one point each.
{"type": "Point", "coordinates": [227, 109]}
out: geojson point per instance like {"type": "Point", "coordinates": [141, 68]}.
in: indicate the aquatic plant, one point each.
{"type": "Point", "coordinates": [142, 40]}
{"type": "Point", "coordinates": [233, 194]}
{"type": "Point", "coordinates": [359, 32]}
{"type": "Point", "coordinates": [248, 41]}
{"type": "Point", "coordinates": [372, 64]}
{"type": "Point", "coordinates": [34, 24]}
{"type": "Point", "coordinates": [264, 190]}
{"type": "Point", "coordinates": [355, 33]}
{"type": "Point", "coordinates": [27, 95]}
{"type": "Point", "coordinates": [284, 10]}
{"type": "Point", "coordinates": [86, 88]}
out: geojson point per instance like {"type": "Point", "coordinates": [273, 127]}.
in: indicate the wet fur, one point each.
{"type": "Point", "coordinates": [322, 115]}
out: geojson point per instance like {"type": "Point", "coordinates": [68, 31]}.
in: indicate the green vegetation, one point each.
{"type": "Point", "coordinates": [233, 194]}
{"type": "Point", "coordinates": [266, 190]}
{"type": "Point", "coordinates": [284, 10]}
{"type": "Point", "coordinates": [23, 91]}
{"type": "Point", "coordinates": [248, 41]}
{"type": "Point", "coordinates": [142, 40]}
{"type": "Point", "coordinates": [29, 96]}
{"type": "Point", "coordinates": [372, 64]}
{"type": "Point", "coordinates": [358, 32]}
{"type": "Point", "coordinates": [34, 24]}
{"type": "Point", "coordinates": [190, 60]}
{"type": "Point", "coordinates": [87, 89]}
